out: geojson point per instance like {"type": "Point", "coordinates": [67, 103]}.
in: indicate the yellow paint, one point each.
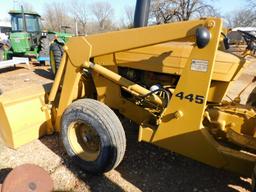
{"type": "Point", "coordinates": [22, 119]}
{"type": "Point", "coordinates": [168, 49]}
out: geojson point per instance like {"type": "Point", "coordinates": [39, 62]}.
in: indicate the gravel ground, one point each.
{"type": "Point", "coordinates": [145, 167]}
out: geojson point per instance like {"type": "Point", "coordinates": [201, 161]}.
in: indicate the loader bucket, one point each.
{"type": "Point", "coordinates": [23, 117]}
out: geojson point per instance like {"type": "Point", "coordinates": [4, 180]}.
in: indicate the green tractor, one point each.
{"type": "Point", "coordinates": [27, 39]}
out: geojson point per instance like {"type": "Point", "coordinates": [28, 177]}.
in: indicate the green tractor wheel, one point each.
{"type": "Point", "coordinates": [1, 54]}
{"type": "Point", "coordinates": [56, 52]}
{"type": "Point", "coordinates": [44, 47]}
{"type": "Point", "coordinates": [1, 51]}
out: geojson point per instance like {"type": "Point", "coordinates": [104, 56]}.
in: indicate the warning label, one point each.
{"type": "Point", "coordinates": [199, 65]}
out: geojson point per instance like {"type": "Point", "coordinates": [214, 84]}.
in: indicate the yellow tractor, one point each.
{"type": "Point", "coordinates": [170, 79]}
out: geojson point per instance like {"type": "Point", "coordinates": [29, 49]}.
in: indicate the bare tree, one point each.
{"type": "Point", "coordinates": [241, 18]}
{"type": "Point", "coordinates": [55, 16]}
{"type": "Point", "coordinates": [26, 6]}
{"type": "Point", "coordinates": [251, 4]}
{"type": "Point", "coordinates": [126, 20]}
{"type": "Point", "coordinates": [79, 11]}
{"type": "Point", "coordinates": [129, 13]}
{"type": "Point", "coordinates": [102, 11]}
{"type": "Point", "coordinates": [164, 11]}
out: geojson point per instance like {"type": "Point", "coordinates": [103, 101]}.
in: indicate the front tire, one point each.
{"type": "Point", "coordinates": [93, 136]}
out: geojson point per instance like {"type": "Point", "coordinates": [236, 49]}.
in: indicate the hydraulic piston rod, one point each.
{"type": "Point", "coordinates": [133, 87]}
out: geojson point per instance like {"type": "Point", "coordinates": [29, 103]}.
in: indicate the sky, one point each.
{"type": "Point", "coordinates": [39, 5]}
{"type": "Point", "coordinates": [223, 6]}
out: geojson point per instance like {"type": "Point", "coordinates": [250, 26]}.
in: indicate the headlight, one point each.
{"type": "Point", "coordinates": [203, 37]}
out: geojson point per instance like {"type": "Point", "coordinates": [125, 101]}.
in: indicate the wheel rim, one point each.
{"type": "Point", "coordinates": [84, 141]}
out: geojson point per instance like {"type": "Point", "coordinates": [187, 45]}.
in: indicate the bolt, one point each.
{"type": "Point", "coordinates": [32, 186]}
{"type": "Point", "coordinates": [178, 114]}
{"type": "Point", "coordinates": [210, 24]}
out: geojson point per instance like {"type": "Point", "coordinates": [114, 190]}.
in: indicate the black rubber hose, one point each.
{"type": "Point", "coordinates": [167, 99]}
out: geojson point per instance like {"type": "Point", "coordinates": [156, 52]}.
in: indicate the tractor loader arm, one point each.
{"type": "Point", "coordinates": [79, 51]}
{"type": "Point", "coordinates": [179, 124]}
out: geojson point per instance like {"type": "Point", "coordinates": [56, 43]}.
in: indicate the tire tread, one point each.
{"type": "Point", "coordinates": [111, 123]}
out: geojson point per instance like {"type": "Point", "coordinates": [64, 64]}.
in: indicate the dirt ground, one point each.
{"type": "Point", "coordinates": [144, 168]}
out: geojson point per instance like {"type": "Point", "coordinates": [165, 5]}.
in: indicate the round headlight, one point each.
{"type": "Point", "coordinates": [203, 37]}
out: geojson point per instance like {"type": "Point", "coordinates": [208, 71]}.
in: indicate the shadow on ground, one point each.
{"type": "Point", "coordinates": [12, 68]}
{"type": "Point", "coordinates": [95, 183]}
{"type": "Point", "coordinates": [44, 73]}
{"type": "Point", "coordinates": [4, 173]}
{"type": "Point", "coordinates": [148, 168]}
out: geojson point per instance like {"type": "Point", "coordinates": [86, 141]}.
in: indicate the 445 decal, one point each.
{"type": "Point", "coordinates": [191, 97]}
